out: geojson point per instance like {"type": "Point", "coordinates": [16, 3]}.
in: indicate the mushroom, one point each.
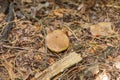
{"type": "Point", "coordinates": [57, 41]}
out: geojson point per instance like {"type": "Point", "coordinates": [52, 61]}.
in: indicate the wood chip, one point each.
{"type": "Point", "coordinates": [59, 66]}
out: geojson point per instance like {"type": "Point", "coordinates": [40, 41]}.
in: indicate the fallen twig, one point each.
{"type": "Point", "coordinates": [59, 66]}
{"type": "Point", "coordinates": [12, 47]}
{"type": "Point", "coordinates": [9, 26]}
{"type": "Point", "coordinates": [71, 31]}
{"type": "Point", "coordinates": [115, 6]}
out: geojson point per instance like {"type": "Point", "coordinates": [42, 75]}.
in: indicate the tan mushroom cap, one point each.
{"type": "Point", "coordinates": [57, 41]}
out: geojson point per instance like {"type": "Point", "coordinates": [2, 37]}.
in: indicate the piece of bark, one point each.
{"type": "Point", "coordinates": [59, 66]}
{"type": "Point", "coordinates": [10, 17]}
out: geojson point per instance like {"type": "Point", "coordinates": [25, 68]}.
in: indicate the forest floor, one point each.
{"type": "Point", "coordinates": [92, 27]}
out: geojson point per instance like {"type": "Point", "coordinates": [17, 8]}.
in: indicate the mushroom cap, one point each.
{"type": "Point", "coordinates": [57, 41]}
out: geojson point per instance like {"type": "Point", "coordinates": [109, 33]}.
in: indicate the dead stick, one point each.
{"type": "Point", "coordinates": [59, 66]}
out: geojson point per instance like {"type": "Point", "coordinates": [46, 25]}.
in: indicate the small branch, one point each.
{"type": "Point", "coordinates": [59, 66]}
{"type": "Point", "coordinates": [12, 47]}
{"type": "Point", "coordinates": [71, 31]}
{"type": "Point", "coordinates": [10, 17]}
{"type": "Point", "coordinates": [115, 6]}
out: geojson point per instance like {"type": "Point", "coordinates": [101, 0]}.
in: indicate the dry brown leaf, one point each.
{"type": "Point", "coordinates": [101, 29]}
{"type": "Point", "coordinates": [57, 41]}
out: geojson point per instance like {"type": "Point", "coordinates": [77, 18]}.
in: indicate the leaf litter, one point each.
{"type": "Point", "coordinates": [92, 30]}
